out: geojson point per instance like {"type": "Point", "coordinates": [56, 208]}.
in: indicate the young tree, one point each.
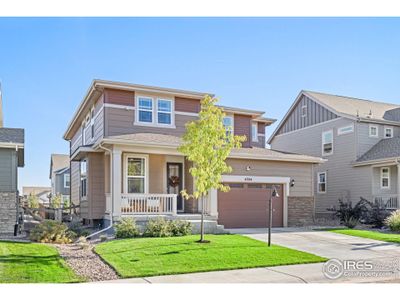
{"type": "Point", "coordinates": [33, 201]}
{"type": "Point", "coordinates": [56, 201]}
{"type": "Point", "coordinates": [207, 143]}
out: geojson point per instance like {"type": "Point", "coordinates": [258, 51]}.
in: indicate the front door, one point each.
{"type": "Point", "coordinates": [175, 182]}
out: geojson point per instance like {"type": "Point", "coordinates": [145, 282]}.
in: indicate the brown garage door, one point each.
{"type": "Point", "coordinates": [246, 205]}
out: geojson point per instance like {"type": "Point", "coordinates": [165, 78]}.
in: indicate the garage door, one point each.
{"type": "Point", "coordinates": [246, 205]}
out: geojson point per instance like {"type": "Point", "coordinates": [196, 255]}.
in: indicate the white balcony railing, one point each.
{"type": "Point", "coordinates": [132, 204]}
{"type": "Point", "coordinates": [387, 201]}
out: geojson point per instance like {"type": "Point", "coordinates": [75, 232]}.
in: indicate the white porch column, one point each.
{"type": "Point", "coordinates": [116, 181]}
{"type": "Point", "coordinates": [213, 203]}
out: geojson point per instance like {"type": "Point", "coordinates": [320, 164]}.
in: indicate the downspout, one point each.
{"type": "Point", "coordinates": [111, 194]}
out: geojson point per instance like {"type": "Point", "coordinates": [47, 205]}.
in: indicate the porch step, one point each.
{"type": "Point", "coordinates": [210, 227]}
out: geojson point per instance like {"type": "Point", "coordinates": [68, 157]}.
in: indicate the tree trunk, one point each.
{"type": "Point", "coordinates": [202, 220]}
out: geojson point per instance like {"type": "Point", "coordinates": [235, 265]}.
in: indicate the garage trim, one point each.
{"type": "Point", "coordinates": [285, 181]}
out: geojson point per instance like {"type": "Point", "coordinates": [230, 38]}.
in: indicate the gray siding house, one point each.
{"type": "Point", "coordinates": [360, 140]}
{"type": "Point", "coordinates": [60, 176]}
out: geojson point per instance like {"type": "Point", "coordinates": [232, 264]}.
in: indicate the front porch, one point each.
{"type": "Point", "coordinates": [386, 186]}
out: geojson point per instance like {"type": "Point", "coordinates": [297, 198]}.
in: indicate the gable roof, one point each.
{"type": "Point", "coordinates": [349, 107]}
{"type": "Point", "coordinates": [384, 149]}
{"type": "Point", "coordinates": [58, 162]}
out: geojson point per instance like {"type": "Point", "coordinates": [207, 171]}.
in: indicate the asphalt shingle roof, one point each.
{"type": "Point", "coordinates": [11, 135]}
{"type": "Point", "coordinates": [385, 148]}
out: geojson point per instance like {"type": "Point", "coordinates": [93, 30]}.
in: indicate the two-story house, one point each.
{"type": "Point", "coordinates": [124, 161]}
{"type": "Point", "coordinates": [11, 157]}
{"type": "Point", "coordinates": [360, 140]}
{"type": "Point", "coordinates": [60, 176]}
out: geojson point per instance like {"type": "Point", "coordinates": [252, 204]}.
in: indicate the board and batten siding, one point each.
{"type": "Point", "coordinates": [300, 172]}
{"type": "Point", "coordinates": [8, 170]}
{"type": "Point", "coordinates": [315, 114]}
{"type": "Point", "coordinates": [343, 180]}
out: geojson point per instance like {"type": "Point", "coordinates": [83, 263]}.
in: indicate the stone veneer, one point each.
{"type": "Point", "coordinates": [8, 211]}
{"type": "Point", "coordinates": [300, 211]}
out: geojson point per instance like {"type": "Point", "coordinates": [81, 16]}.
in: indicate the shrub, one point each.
{"type": "Point", "coordinates": [158, 228]}
{"type": "Point", "coordinates": [103, 238]}
{"type": "Point", "coordinates": [50, 231]}
{"type": "Point", "coordinates": [83, 243]}
{"type": "Point", "coordinates": [126, 228]}
{"type": "Point", "coordinates": [180, 228]}
{"type": "Point", "coordinates": [377, 216]}
{"type": "Point", "coordinates": [351, 222]}
{"type": "Point", "coordinates": [78, 229]}
{"type": "Point", "coordinates": [349, 215]}
{"type": "Point", "coordinates": [393, 221]}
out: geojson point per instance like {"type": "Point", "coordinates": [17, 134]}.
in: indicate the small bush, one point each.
{"type": "Point", "coordinates": [77, 227]}
{"type": "Point", "coordinates": [83, 243]}
{"type": "Point", "coordinates": [126, 228]}
{"type": "Point", "coordinates": [50, 231]}
{"type": "Point", "coordinates": [351, 222]}
{"type": "Point", "coordinates": [393, 221]}
{"type": "Point", "coordinates": [181, 228]}
{"type": "Point", "coordinates": [158, 228]}
{"type": "Point", "coordinates": [103, 238]}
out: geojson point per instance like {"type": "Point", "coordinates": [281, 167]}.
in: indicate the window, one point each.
{"type": "Point", "coordinates": [388, 132]}
{"type": "Point", "coordinates": [145, 114]}
{"type": "Point", "coordinates": [385, 178]}
{"type": "Point", "coordinates": [164, 111]}
{"type": "Point", "coordinates": [66, 180]}
{"type": "Point", "coordinates": [228, 123]}
{"type": "Point", "coordinates": [304, 111]}
{"type": "Point", "coordinates": [83, 175]}
{"type": "Point", "coordinates": [254, 132]}
{"type": "Point", "coordinates": [327, 142]}
{"type": "Point", "coordinates": [136, 175]}
{"type": "Point", "coordinates": [373, 131]}
{"type": "Point", "coordinates": [322, 182]}
{"type": "Point", "coordinates": [346, 129]}
{"type": "Point", "coordinates": [92, 123]}
{"type": "Point", "coordinates": [83, 134]}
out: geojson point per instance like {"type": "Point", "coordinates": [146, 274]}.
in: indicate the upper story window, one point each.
{"type": "Point", "coordinates": [228, 123]}
{"type": "Point", "coordinates": [83, 178]}
{"type": "Point", "coordinates": [304, 111]}
{"type": "Point", "coordinates": [388, 132]}
{"type": "Point", "coordinates": [385, 178]}
{"type": "Point", "coordinates": [145, 109]}
{"type": "Point", "coordinates": [66, 181]}
{"type": "Point", "coordinates": [346, 129]}
{"type": "Point", "coordinates": [373, 131]}
{"type": "Point", "coordinates": [254, 132]}
{"type": "Point", "coordinates": [321, 182]}
{"type": "Point", "coordinates": [164, 111]}
{"type": "Point", "coordinates": [327, 142]}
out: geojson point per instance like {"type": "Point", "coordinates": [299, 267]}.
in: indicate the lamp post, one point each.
{"type": "Point", "coordinates": [274, 193]}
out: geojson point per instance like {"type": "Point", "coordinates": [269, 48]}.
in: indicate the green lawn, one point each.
{"type": "Point", "coordinates": [31, 263]}
{"type": "Point", "coordinates": [176, 255]}
{"type": "Point", "coordinates": [375, 235]}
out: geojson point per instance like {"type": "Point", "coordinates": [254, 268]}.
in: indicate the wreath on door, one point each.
{"type": "Point", "coordinates": [174, 181]}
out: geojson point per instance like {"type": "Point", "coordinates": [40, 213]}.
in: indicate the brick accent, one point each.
{"type": "Point", "coordinates": [8, 211]}
{"type": "Point", "coordinates": [300, 211]}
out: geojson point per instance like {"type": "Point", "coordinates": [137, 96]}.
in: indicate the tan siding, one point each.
{"type": "Point", "coordinates": [187, 105]}
{"type": "Point", "coordinates": [76, 138]}
{"type": "Point", "coordinates": [96, 192]}
{"type": "Point", "coordinates": [190, 204]}
{"type": "Point", "coordinates": [156, 173]}
{"type": "Point", "coordinates": [242, 126]}
{"type": "Point", "coordinates": [261, 128]}
{"type": "Point", "coordinates": [75, 184]}
{"type": "Point", "coordinates": [119, 97]}
{"type": "Point", "coordinates": [300, 172]}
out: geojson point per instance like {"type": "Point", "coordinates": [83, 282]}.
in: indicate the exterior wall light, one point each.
{"type": "Point", "coordinates": [292, 183]}
{"type": "Point", "coordinates": [248, 168]}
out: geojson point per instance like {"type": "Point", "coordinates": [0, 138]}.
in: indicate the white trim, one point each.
{"type": "Point", "coordinates": [377, 131]}
{"type": "Point", "coordinates": [172, 112]}
{"type": "Point", "coordinates": [388, 178]}
{"type": "Point", "coordinates": [384, 132]}
{"type": "Point", "coordinates": [137, 111]}
{"type": "Point", "coordinates": [185, 113]}
{"type": "Point", "coordinates": [254, 138]}
{"type": "Point", "coordinates": [146, 171]}
{"type": "Point", "coordinates": [345, 127]}
{"type": "Point", "coordinates": [300, 129]}
{"type": "Point", "coordinates": [319, 182]}
{"type": "Point", "coordinates": [154, 111]}
{"type": "Point", "coordinates": [322, 142]}
{"type": "Point", "coordinates": [126, 107]}
{"type": "Point", "coordinates": [11, 145]}
{"type": "Point", "coordinates": [378, 162]}
{"type": "Point", "coordinates": [285, 181]}
{"type": "Point", "coordinates": [65, 181]}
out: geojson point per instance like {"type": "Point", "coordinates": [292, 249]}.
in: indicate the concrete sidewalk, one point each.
{"type": "Point", "coordinates": [322, 243]}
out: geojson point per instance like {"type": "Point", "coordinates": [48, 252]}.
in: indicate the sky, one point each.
{"type": "Point", "coordinates": [47, 65]}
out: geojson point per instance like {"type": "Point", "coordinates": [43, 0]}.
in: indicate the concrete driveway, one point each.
{"type": "Point", "coordinates": [326, 244]}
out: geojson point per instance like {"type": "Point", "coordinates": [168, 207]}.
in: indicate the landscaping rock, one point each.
{"type": "Point", "coordinates": [86, 263]}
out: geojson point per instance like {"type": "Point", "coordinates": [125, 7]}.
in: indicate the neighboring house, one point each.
{"type": "Point", "coordinates": [41, 192]}
{"type": "Point", "coordinates": [360, 140]}
{"type": "Point", "coordinates": [124, 161]}
{"type": "Point", "coordinates": [60, 176]}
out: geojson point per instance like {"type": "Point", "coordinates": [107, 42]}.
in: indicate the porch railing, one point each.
{"type": "Point", "coordinates": [387, 201]}
{"type": "Point", "coordinates": [148, 204]}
